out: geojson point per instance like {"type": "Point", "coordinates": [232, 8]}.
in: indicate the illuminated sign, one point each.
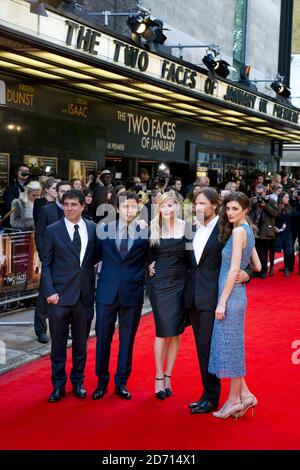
{"type": "Point", "coordinates": [75, 36]}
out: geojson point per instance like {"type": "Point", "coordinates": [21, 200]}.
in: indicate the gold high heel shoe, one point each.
{"type": "Point", "coordinates": [249, 402]}
{"type": "Point", "coordinates": [229, 410]}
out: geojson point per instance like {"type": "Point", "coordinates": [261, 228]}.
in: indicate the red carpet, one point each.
{"type": "Point", "coordinates": [273, 324]}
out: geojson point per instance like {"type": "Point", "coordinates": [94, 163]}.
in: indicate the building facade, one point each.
{"type": "Point", "coordinates": [77, 98]}
{"type": "Point", "coordinates": [247, 31]}
{"type": "Point", "coordinates": [291, 152]}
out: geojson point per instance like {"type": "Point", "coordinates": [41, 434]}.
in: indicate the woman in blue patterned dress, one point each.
{"type": "Point", "coordinates": [227, 355]}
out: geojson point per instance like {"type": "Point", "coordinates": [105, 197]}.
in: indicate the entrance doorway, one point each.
{"type": "Point", "coordinates": [122, 168]}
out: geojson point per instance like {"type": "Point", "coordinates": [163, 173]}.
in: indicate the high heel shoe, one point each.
{"type": "Point", "coordinates": [229, 410]}
{"type": "Point", "coordinates": [168, 391]}
{"type": "Point", "coordinates": [249, 402]}
{"type": "Point", "coordinates": [161, 395]}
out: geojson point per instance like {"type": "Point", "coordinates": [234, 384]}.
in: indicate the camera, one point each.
{"type": "Point", "coordinates": [261, 200]}
{"type": "Point", "coordinates": [25, 173]}
{"type": "Point", "coordinates": [161, 179]}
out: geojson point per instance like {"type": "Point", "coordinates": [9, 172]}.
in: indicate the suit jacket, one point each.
{"type": "Point", "coordinates": [37, 205]}
{"type": "Point", "coordinates": [202, 281]}
{"type": "Point", "coordinates": [12, 192]}
{"type": "Point", "coordinates": [47, 215]}
{"type": "Point", "coordinates": [61, 270]}
{"type": "Point", "coordinates": [122, 277]}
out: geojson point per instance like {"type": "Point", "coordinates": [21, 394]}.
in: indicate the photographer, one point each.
{"type": "Point", "coordinates": [263, 211]}
{"type": "Point", "coordinates": [135, 185]}
{"type": "Point", "coordinates": [161, 182]}
{"type": "Point", "coordinates": [18, 186]}
{"type": "Point", "coordinates": [145, 178]}
{"type": "Point", "coordinates": [284, 231]}
{"type": "Point", "coordinates": [295, 203]}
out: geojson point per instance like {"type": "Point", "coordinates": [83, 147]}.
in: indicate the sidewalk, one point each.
{"type": "Point", "coordinates": [18, 344]}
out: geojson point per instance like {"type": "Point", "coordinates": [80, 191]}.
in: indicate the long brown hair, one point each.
{"type": "Point", "coordinates": [226, 227]}
{"type": "Point", "coordinates": [281, 206]}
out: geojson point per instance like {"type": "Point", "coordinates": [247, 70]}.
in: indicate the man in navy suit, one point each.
{"type": "Point", "coordinates": [120, 292]}
{"type": "Point", "coordinates": [69, 284]}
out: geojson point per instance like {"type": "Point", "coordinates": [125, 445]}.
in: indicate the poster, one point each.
{"type": "Point", "coordinates": [4, 173]}
{"type": "Point", "coordinates": [43, 165]}
{"type": "Point", "coordinates": [81, 168]}
{"type": "Point", "coordinates": [20, 267]}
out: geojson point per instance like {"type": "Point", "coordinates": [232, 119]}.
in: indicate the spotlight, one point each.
{"type": "Point", "coordinates": [143, 27]}
{"type": "Point", "coordinates": [136, 24]}
{"type": "Point", "coordinates": [38, 8]}
{"type": "Point", "coordinates": [281, 89]}
{"type": "Point", "coordinates": [157, 27]}
{"type": "Point", "coordinates": [72, 6]}
{"type": "Point", "coordinates": [245, 72]}
{"type": "Point", "coordinates": [244, 77]}
{"type": "Point", "coordinates": [220, 67]}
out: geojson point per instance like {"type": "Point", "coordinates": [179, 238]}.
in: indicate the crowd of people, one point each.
{"type": "Point", "coordinates": [195, 252]}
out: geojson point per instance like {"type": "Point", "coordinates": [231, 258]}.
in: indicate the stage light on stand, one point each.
{"type": "Point", "coordinates": [136, 24]}
{"type": "Point", "coordinates": [38, 8]}
{"type": "Point", "coordinates": [281, 89]}
{"type": "Point", "coordinates": [143, 27]}
{"type": "Point", "coordinates": [245, 77]}
{"type": "Point", "coordinates": [219, 66]}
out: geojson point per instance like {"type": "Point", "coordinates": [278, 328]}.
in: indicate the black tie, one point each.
{"type": "Point", "coordinates": [124, 244]}
{"type": "Point", "coordinates": [77, 240]}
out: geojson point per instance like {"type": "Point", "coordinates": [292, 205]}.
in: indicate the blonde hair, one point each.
{"type": "Point", "coordinates": [156, 223]}
{"type": "Point", "coordinates": [30, 187]}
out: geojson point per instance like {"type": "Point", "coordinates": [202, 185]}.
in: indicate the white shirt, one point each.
{"type": "Point", "coordinates": [82, 233]}
{"type": "Point", "coordinates": [201, 237]}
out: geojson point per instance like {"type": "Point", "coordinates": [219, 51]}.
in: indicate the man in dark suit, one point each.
{"type": "Point", "coordinates": [18, 186]}
{"type": "Point", "coordinates": [120, 292]}
{"type": "Point", "coordinates": [69, 283]}
{"type": "Point", "coordinates": [201, 295]}
{"type": "Point", "coordinates": [47, 215]}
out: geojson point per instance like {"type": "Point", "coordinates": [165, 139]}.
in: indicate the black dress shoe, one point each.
{"type": "Point", "coordinates": [56, 395]}
{"type": "Point", "coordinates": [195, 404]}
{"type": "Point", "coordinates": [43, 338]}
{"type": "Point", "coordinates": [205, 406]}
{"type": "Point", "coordinates": [99, 392]}
{"type": "Point", "coordinates": [79, 392]}
{"type": "Point", "coordinates": [122, 391]}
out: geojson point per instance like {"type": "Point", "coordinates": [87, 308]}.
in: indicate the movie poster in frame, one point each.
{"type": "Point", "coordinates": [41, 164]}
{"type": "Point", "coordinates": [81, 168]}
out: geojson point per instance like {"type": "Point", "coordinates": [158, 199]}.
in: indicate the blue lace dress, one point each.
{"type": "Point", "coordinates": [227, 354]}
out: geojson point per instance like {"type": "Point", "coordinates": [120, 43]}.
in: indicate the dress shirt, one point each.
{"type": "Point", "coordinates": [82, 232]}
{"type": "Point", "coordinates": [201, 237]}
{"type": "Point", "coordinates": [121, 230]}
